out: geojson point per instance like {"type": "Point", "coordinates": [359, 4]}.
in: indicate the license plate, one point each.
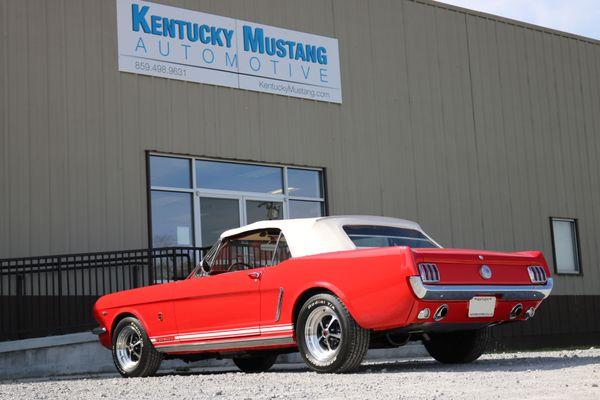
{"type": "Point", "coordinates": [482, 307]}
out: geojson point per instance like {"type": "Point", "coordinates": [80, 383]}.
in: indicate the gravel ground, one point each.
{"type": "Point", "coordinates": [568, 374]}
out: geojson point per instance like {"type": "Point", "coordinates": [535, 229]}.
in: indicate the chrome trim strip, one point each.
{"type": "Point", "coordinates": [467, 292]}
{"type": "Point", "coordinates": [226, 345]}
{"type": "Point", "coordinates": [99, 330]}
{"type": "Point", "coordinates": [279, 301]}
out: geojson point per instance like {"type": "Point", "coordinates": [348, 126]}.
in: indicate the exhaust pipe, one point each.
{"type": "Point", "coordinates": [516, 311]}
{"type": "Point", "coordinates": [530, 312]}
{"type": "Point", "coordinates": [440, 313]}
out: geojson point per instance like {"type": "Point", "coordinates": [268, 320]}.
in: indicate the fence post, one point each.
{"type": "Point", "coordinates": [149, 254]}
{"type": "Point", "coordinates": [19, 297]}
{"type": "Point", "coordinates": [135, 276]}
{"type": "Point", "coordinates": [60, 298]}
{"type": "Point", "coordinates": [20, 287]}
{"type": "Point", "coordinates": [174, 265]}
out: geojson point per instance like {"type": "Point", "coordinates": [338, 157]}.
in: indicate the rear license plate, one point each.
{"type": "Point", "coordinates": [482, 307]}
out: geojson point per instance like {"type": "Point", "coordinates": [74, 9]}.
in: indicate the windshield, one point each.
{"type": "Point", "coordinates": [204, 268]}
{"type": "Point", "coordinates": [386, 236]}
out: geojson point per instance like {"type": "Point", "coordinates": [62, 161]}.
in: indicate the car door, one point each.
{"type": "Point", "coordinates": [224, 306]}
{"type": "Point", "coordinates": [273, 294]}
{"type": "Point", "coordinates": [218, 307]}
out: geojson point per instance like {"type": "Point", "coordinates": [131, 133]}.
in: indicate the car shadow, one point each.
{"type": "Point", "coordinates": [406, 366]}
{"type": "Point", "coordinates": [512, 364]}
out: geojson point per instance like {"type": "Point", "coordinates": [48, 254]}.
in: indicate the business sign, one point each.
{"type": "Point", "coordinates": [187, 45]}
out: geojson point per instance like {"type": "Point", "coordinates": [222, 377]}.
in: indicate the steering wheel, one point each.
{"type": "Point", "coordinates": [236, 267]}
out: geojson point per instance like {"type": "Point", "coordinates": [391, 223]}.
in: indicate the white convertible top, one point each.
{"type": "Point", "coordinates": [307, 236]}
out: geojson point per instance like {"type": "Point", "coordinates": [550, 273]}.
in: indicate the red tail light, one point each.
{"type": "Point", "coordinates": [537, 274]}
{"type": "Point", "coordinates": [429, 273]}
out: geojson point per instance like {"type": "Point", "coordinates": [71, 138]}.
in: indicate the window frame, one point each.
{"type": "Point", "coordinates": [577, 244]}
{"type": "Point", "coordinates": [242, 196]}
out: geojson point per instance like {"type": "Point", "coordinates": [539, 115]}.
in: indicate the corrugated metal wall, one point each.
{"type": "Point", "coordinates": [478, 128]}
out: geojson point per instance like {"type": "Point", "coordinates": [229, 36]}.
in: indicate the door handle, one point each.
{"type": "Point", "coordinates": [255, 275]}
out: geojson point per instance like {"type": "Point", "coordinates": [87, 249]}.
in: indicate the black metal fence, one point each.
{"type": "Point", "coordinates": [41, 296]}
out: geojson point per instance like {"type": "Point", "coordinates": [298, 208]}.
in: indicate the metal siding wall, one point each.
{"type": "Point", "coordinates": [4, 139]}
{"type": "Point", "coordinates": [17, 115]}
{"type": "Point", "coordinates": [478, 128]}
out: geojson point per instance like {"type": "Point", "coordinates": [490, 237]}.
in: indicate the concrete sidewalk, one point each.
{"type": "Point", "coordinates": [81, 353]}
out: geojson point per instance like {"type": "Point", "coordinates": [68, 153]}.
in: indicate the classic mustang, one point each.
{"type": "Point", "coordinates": [330, 288]}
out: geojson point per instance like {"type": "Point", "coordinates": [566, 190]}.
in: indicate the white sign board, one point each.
{"type": "Point", "coordinates": [176, 43]}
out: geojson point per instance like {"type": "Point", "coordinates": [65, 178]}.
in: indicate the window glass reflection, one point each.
{"type": "Point", "coordinates": [216, 216]}
{"type": "Point", "coordinates": [304, 183]}
{"type": "Point", "coordinates": [263, 210]}
{"type": "Point", "coordinates": [170, 172]}
{"type": "Point", "coordinates": [305, 209]}
{"type": "Point", "coordinates": [565, 246]}
{"type": "Point", "coordinates": [172, 219]}
{"type": "Point", "coordinates": [239, 177]}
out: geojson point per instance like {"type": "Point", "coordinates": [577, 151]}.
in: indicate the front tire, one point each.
{"type": "Point", "coordinates": [133, 352]}
{"type": "Point", "coordinates": [328, 338]}
{"type": "Point", "coordinates": [457, 347]}
{"type": "Point", "coordinates": [255, 363]}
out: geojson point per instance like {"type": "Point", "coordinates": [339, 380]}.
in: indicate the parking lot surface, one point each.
{"type": "Point", "coordinates": [568, 374]}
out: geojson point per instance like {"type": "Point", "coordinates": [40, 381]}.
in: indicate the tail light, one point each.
{"type": "Point", "coordinates": [429, 273]}
{"type": "Point", "coordinates": [537, 274]}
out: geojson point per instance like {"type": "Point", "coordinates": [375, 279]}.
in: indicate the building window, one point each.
{"type": "Point", "coordinates": [193, 200]}
{"type": "Point", "coordinates": [565, 244]}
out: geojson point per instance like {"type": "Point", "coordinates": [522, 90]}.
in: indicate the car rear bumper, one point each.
{"type": "Point", "coordinates": [467, 292]}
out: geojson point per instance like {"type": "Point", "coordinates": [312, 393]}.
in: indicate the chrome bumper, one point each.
{"type": "Point", "coordinates": [99, 330]}
{"type": "Point", "coordinates": [467, 292]}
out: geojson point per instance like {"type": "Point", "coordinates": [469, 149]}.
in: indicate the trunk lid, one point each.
{"type": "Point", "coordinates": [462, 267]}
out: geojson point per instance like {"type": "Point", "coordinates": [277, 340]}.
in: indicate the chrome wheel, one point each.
{"type": "Point", "coordinates": [323, 334]}
{"type": "Point", "coordinates": [128, 347]}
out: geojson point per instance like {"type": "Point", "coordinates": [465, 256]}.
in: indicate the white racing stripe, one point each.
{"type": "Point", "coordinates": [276, 328]}
{"type": "Point", "coordinates": [227, 344]}
{"type": "Point", "coordinates": [227, 333]}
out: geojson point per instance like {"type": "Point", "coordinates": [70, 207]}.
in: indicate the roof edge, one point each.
{"type": "Point", "coordinates": [515, 22]}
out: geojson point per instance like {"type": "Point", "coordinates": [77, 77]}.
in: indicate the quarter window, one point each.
{"type": "Point", "coordinates": [565, 240]}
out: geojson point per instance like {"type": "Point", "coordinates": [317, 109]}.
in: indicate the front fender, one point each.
{"type": "Point", "coordinates": [109, 318]}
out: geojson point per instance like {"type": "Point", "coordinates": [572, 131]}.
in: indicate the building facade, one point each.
{"type": "Point", "coordinates": [484, 130]}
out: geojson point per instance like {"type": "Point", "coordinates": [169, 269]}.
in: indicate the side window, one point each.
{"type": "Point", "coordinates": [565, 245]}
{"type": "Point", "coordinates": [248, 251]}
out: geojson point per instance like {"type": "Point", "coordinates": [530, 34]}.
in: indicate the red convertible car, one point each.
{"type": "Point", "coordinates": [330, 288]}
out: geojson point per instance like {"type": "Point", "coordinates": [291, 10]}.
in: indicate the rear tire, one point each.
{"type": "Point", "coordinates": [132, 351]}
{"type": "Point", "coordinates": [255, 363]}
{"type": "Point", "coordinates": [457, 347]}
{"type": "Point", "coordinates": [328, 338]}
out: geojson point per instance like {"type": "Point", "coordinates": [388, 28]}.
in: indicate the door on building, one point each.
{"type": "Point", "coordinates": [194, 200]}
